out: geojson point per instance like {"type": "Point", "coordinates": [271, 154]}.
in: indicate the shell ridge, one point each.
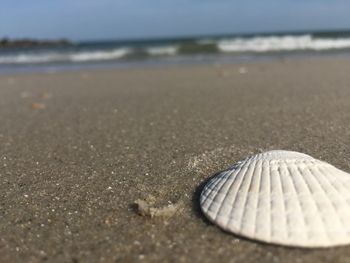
{"type": "Point", "coordinates": [330, 203]}
{"type": "Point", "coordinates": [287, 211]}
{"type": "Point", "coordinates": [239, 164]}
{"type": "Point", "coordinates": [245, 169]}
{"type": "Point", "coordinates": [270, 199]}
{"type": "Point", "coordinates": [213, 192]}
{"type": "Point", "coordinates": [300, 206]}
{"type": "Point", "coordinates": [216, 185]}
{"type": "Point", "coordinates": [235, 172]}
{"type": "Point", "coordinates": [338, 186]}
{"type": "Point", "coordinates": [242, 178]}
{"type": "Point", "coordinates": [283, 202]}
{"type": "Point", "coordinates": [313, 201]}
{"type": "Point", "coordinates": [212, 185]}
{"type": "Point", "coordinates": [270, 205]}
{"type": "Point", "coordinates": [258, 199]}
{"type": "Point", "coordinates": [207, 191]}
{"type": "Point", "coordinates": [273, 200]}
{"type": "Point", "coordinates": [218, 182]}
{"type": "Point", "coordinates": [246, 197]}
{"type": "Point", "coordinates": [221, 183]}
{"type": "Point", "coordinates": [334, 190]}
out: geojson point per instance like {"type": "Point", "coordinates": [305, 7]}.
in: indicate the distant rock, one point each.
{"type": "Point", "coordinates": [28, 43]}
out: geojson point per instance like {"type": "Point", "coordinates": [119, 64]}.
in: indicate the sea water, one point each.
{"type": "Point", "coordinates": [145, 52]}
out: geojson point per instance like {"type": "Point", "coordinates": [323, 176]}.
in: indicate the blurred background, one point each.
{"type": "Point", "coordinates": [56, 35]}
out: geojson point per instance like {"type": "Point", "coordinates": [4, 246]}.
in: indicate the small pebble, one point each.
{"type": "Point", "coordinates": [38, 106]}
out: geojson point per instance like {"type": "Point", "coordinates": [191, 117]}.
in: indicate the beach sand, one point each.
{"type": "Point", "coordinates": [78, 149]}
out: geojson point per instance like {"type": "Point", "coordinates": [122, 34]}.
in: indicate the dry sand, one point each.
{"type": "Point", "coordinates": [107, 165]}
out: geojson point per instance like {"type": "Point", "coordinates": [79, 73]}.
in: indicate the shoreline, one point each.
{"type": "Point", "coordinates": [158, 64]}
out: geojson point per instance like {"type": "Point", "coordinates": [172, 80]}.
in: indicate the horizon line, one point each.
{"type": "Point", "coordinates": [185, 36]}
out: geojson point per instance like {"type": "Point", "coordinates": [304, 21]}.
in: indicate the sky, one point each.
{"type": "Point", "coordinates": [129, 19]}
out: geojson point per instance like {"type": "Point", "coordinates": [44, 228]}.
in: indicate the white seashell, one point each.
{"type": "Point", "coordinates": [281, 197]}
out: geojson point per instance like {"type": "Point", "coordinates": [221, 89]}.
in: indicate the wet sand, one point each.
{"type": "Point", "coordinates": [78, 149]}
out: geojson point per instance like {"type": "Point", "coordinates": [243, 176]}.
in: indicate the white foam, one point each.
{"type": "Point", "coordinates": [30, 58]}
{"type": "Point", "coordinates": [46, 57]}
{"type": "Point", "coordinates": [282, 43]}
{"type": "Point", "coordinates": [99, 55]}
{"type": "Point", "coordinates": [158, 51]}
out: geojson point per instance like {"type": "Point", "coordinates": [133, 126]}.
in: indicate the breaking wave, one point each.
{"type": "Point", "coordinates": [282, 43]}
{"type": "Point", "coordinates": [170, 48]}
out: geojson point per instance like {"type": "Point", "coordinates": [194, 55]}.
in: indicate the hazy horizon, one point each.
{"type": "Point", "coordinates": [189, 36]}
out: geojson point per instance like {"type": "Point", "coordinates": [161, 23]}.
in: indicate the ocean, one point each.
{"type": "Point", "coordinates": [146, 52]}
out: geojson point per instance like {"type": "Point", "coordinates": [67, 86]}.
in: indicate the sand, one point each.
{"type": "Point", "coordinates": [80, 151]}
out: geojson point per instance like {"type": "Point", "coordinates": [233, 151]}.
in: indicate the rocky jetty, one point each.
{"type": "Point", "coordinates": [28, 43]}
